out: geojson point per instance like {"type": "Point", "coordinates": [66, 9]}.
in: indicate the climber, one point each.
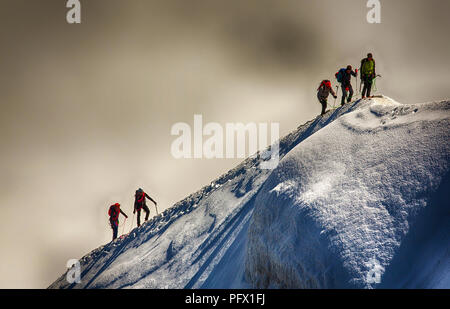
{"type": "Point", "coordinates": [114, 212]}
{"type": "Point", "coordinates": [139, 203]}
{"type": "Point", "coordinates": [344, 76]}
{"type": "Point", "coordinates": [367, 74]}
{"type": "Point", "coordinates": [323, 92]}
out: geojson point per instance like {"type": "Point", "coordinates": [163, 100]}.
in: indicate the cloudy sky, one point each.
{"type": "Point", "coordinates": [86, 110]}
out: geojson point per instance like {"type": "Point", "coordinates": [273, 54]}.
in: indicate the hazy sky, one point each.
{"type": "Point", "coordinates": [86, 110]}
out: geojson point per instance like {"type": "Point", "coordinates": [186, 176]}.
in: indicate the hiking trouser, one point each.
{"type": "Point", "coordinates": [322, 101]}
{"type": "Point", "coordinates": [344, 93]}
{"type": "Point", "coordinates": [368, 81]}
{"type": "Point", "coordinates": [147, 212]}
{"type": "Point", "coordinates": [115, 227]}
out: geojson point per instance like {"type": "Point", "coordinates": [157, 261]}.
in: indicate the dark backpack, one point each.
{"type": "Point", "coordinates": [139, 201]}
{"type": "Point", "coordinates": [340, 75]}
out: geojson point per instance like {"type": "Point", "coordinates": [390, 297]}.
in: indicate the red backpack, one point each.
{"type": "Point", "coordinates": [325, 83]}
{"type": "Point", "coordinates": [114, 211]}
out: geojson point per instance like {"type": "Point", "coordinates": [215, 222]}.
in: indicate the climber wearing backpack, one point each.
{"type": "Point", "coordinates": [114, 212]}
{"type": "Point", "coordinates": [344, 77]}
{"type": "Point", "coordinates": [367, 74]}
{"type": "Point", "coordinates": [139, 203]}
{"type": "Point", "coordinates": [323, 92]}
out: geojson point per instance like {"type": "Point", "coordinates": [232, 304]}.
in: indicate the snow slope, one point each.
{"type": "Point", "coordinates": [357, 192]}
{"type": "Point", "coordinates": [360, 203]}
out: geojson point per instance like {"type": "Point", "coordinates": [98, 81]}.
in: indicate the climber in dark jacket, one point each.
{"type": "Point", "coordinates": [346, 84]}
{"type": "Point", "coordinates": [139, 203]}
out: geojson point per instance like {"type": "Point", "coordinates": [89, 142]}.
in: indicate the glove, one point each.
{"type": "Point", "coordinates": [134, 211]}
{"type": "Point", "coordinates": [356, 71]}
{"type": "Point", "coordinates": [335, 96]}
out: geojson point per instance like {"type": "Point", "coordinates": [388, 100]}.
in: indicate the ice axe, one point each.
{"type": "Point", "coordinates": [378, 75]}
{"type": "Point", "coordinates": [359, 86]}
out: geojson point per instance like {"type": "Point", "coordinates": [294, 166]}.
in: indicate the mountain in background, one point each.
{"type": "Point", "coordinates": [360, 199]}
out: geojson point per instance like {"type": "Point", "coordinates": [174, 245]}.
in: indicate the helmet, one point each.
{"type": "Point", "coordinates": [349, 67]}
{"type": "Point", "coordinates": [369, 55]}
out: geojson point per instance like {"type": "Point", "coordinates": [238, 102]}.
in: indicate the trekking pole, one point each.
{"type": "Point", "coordinates": [360, 84]}
{"type": "Point", "coordinates": [337, 91]}
{"type": "Point", "coordinates": [132, 220]}
{"type": "Point", "coordinates": [123, 225]}
{"type": "Point", "coordinates": [156, 209]}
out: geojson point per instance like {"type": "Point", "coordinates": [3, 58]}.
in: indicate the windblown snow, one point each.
{"type": "Point", "coordinates": [360, 199]}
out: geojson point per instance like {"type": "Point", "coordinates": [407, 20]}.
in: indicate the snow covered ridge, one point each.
{"type": "Point", "coordinates": [358, 198]}
{"type": "Point", "coordinates": [362, 203]}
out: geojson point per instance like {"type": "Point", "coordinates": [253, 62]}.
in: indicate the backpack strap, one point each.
{"type": "Point", "coordinates": [320, 86]}
{"type": "Point", "coordinates": [141, 199]}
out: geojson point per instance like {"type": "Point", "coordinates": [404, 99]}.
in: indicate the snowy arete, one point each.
{"type": "Point", "coordinates": [360, 199]}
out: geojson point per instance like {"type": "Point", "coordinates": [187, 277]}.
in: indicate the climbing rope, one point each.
{"type": "Point", "coordinates": [123, 228]}
{"type": "Point", "coordinates": [374, 84]}
{"type": "Point", "coordinates": [123, 224]}
{"type": "Point", "coordinates": [132, 220]}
